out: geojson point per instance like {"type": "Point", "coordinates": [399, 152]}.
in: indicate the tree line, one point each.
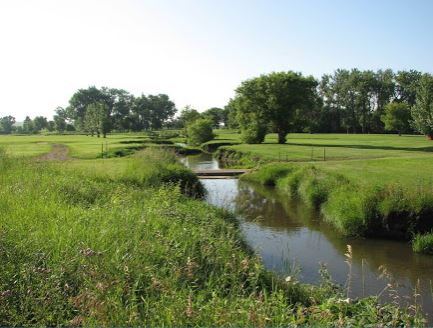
{"type": "Point", "coordinates": [346, 101]}
{"type": "Point", "coordinates": [349, 101]}
{"type": "Point", "coordinates": [98, 111]}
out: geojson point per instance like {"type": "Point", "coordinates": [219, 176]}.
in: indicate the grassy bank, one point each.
{"type": "Point", "coordinates": [355, 208]}
{"type": "Point", "coordinates": [116, 242]}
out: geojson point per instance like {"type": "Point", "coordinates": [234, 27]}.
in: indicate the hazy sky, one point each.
{"type": "Point", "coordinates": [195, 51]}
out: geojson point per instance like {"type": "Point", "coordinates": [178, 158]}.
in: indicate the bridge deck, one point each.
{"type": "Point", "coordinates": [220, 173]}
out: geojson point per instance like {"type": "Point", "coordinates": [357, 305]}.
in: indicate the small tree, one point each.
{"type": "Point", "coordinates": [422, 111]}
{"type": "Point", "coordinates": [199, 131]}
{"type": "Point", "coordinates": [397, 117]}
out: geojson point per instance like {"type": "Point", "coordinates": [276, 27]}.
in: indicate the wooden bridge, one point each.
{"type": "Point", "coordinates": [219, 173]}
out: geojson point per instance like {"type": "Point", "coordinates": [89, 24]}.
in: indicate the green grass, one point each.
{"type": "Point", "coordinates": [306, 147]}
{"type": "Point", "coordinates": [364, 184]}
{"type": "Point", "coordinates": [355, 207]}
{"type": "Point", "coordinates": [116, 242]}
{"type": "Point", "coordinates": [80, 146]}
{"type": "Point", "coordinates": [423, 243]}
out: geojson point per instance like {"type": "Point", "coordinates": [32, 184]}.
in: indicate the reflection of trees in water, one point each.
{"type": "Point", "coordinates": [267, 208]}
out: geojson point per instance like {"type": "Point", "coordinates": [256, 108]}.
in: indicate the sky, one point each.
{"type": "Point", "coordinates": [198, 51]}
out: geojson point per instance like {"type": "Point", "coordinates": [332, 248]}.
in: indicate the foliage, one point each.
{"type": "Point", "coordinates": [218, 116]}
{"type": "Point", "coordinates": [151, 112]}
{"type": "Point", "coordinates": [7, 124]}
{"type": "Point", "coordinates": [96, 120]}
{"type": "Point", "coordinates": [39, 123]}
{"type": "Point", "coordinates": [199, 131]}
{"type": "Point", "coordinates": [60, 119]}
{"type": "Point", "coordinates": [187, 116]}
{"type": "Point", "coordinates": [125, 112]}
{"type": "Point", "coordinates": [422, 111]}
{"type": "Point", "coordinates": [355, 100]}
{"type": "Point", "coordinates": [396, 117]}
{"type": "Point", "coordinates": [272, 100]}
{"type": "Point", "coordinates": [423, 243]}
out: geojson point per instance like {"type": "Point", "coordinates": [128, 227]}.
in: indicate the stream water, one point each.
{"type": "Point", "coordinates": [292, 239]}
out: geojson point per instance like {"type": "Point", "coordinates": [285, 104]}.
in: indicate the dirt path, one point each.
{"type": "Point", "coordinates": [58, 153]}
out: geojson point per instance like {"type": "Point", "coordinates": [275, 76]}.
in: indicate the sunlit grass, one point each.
{"type": "Point", "coordinates": [115, 242]}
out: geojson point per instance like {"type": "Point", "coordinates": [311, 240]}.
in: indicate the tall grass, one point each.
{"type": "Point", "coordinates": [423, 243]}
{"type": "Point", "coordinates": [390, 210]}
{"type": "Point", "coordinates": [80, 248]}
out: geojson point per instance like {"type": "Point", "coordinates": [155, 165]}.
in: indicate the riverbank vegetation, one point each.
{"type": "Point", "coordinates": [356, 207]}
{"type": "Point", "coordinates": [118, 242]}
{"type": "Point", "coordinates": [423, 243]}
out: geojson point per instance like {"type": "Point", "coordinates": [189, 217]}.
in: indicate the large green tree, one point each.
{"type": "Point", "coordinates": [422, 111]}
{"type": "Point", "coordinates": [271, 101]}
{"type": "Point", "coordinates": [81, 99]}
{"type": "Point", "coordinates": [120, 104]}
{"type": "Point", "coordinates": [39, 123]}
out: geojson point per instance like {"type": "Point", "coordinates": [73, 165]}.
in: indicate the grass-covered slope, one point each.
{"type": "Point", "coordinates": [122, 246]}
{"type": "Point", "coordinates": [355, 207]}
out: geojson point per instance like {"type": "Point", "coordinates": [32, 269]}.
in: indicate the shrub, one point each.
{"type": "Point", "coordinates": [253, 134]}
{"type": "Point", "coordinates": [199, 131]}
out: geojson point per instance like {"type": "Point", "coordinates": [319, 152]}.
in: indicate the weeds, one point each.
{"type": "Point", "coordinates": [423, 243]}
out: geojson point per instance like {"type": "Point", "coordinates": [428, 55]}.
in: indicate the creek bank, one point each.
{"type": "Point", "coordinates": [164, 144]}
{"type": "Point", "coordinates": [235, 159]}
{"type": "Point", "coordinates": [389, 211]}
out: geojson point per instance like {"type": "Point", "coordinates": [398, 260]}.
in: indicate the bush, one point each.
{"type": "Point", "coordinates": [253, 134]}
{"type": "Point", "coordinates": [199, 131]}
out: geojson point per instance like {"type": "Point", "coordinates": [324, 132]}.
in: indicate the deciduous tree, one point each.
{"type": "Point", "coordinates": [397, 117]}
{"type": "Point", "coordinates": [271, 100]}
{"type": "Point", "coordinates": [422, 111]}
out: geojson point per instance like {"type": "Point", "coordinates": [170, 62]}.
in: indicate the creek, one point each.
{"type": "Point", "coordinates": [292, 239]}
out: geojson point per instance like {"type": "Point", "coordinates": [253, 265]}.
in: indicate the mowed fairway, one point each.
{"type": "Point", "coordinates": [80, 146]}
{"type": "Point", "coordinates": [367, 158]}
